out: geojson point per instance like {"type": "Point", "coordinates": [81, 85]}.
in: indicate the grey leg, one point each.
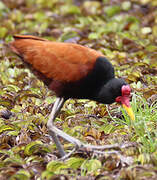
{"type": "Point", "coordinates": [54, 132]}
{"type": "Point", "coordinates": [55, 110]}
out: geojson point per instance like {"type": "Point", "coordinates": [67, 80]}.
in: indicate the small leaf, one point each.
{"type": "Point", "coordinates": [112, 10]}
{"type": "Point", "coordinates": [126, 5]}
{"type": "Point", "coordinates": [91, 7]}
{"type": "Point", "coordinates": [13, 88]}
{"type": "Point", "coordinates": [91, 166]}
{"type": "Point", "coordinates": [55, 166]}
{"type": "Point", "coordinates": [50, 99]}
{"type": "Point", "coordinates": [74, 162]}
{"type": "Point", "coordinates": [3, 32]}
{"type": "Point", "coordinates": [35, 147]}
{"type": "Point", "coordinates": [93, 36]}
{"type": "Point", "coordinates": [146, 30]}
{"type": "Point", "coordinates": [2, 5]}
{"type": "Point", "coordinates": [70, 9]}
{"type": "Point", "coordinates": [21, 174]}
{"type": "Point", "coordinates": [6, 128]}
{"type": "Point", "coordinates": [47, 175]}
{"type": "Point", "coordinates": [94, 165]}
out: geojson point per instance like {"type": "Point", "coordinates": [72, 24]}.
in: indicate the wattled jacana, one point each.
{"type": "Point", "coordinates": [71, 71]}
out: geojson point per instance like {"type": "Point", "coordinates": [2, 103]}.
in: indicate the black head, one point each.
{"type": "Point", "coordinates": [111, 90]}
{"type": "Point", "coordinates": [116, 90]}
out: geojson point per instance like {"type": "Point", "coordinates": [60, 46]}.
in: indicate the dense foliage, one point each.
{"type": "Point", "coordinates": [125, 32]}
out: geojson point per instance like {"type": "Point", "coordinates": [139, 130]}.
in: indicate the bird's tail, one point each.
{"type": "Point", "coordinates": [16, 46]}
{"type": "Point", "coordinates": [17, 36]}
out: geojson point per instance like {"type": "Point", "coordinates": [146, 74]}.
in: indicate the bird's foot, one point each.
{"type": "Point", "coordinates": [85, 147]}
{"type": "Point", "coordinates": [66, 156]}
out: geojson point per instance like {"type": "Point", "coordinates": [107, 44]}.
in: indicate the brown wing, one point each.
{"type": "Point", "coordinates": [64, 62]}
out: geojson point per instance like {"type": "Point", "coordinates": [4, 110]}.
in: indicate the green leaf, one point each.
{"type": "Point", "coordinates": [71, 9]}
{"type": "Point", "coordinates": [50, 99]}
{"type": "Point", "coordinates": [112, 10]}
{"type": "Point", "coordinates": [13, 88]}
{"type": "Point", "coordinates": [6, 128]}
{"type": "Point", "coordinates": [3, 32]}
{"type": "Point", "coordinates": [94, 165]}
{"type": "Point", "coordinates": [14, 159]}
{"type": "Point", "coordinates": [91, 7]}
{"type": "Point", "coordinates": [13, 133]}
{"type": "Point", "coordinates": [55, 166]}
{"type": "Point", "coordinates": [93, 36]}
{"type": "Point", "coordinates": [47, 175]}
{"type": "Point", "coordinates": [21, 174]}
{"type": "Point", "coordinates": [146, 30]}
{"type": "Point", "coordinates": [74, 162]}
{"type": "Point", "coordinates": [35, 147]}
{"type": "Point", "coordinates": [40, 16]}
{"type": "Point", "coordinates": [2, 6]}
{"type": "Point", "coordinates": [108, 128]}
{"type": "Point", "coordinates": [126, 5]}
{"type": "Point", "coordinates": [91, 166]}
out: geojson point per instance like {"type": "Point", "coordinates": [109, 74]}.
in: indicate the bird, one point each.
{"type": "Point", "coordinates": [71, 71]}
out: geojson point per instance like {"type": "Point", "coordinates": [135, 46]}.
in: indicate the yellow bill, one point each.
{"type": "Point", "coordinates": [129, 111]}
